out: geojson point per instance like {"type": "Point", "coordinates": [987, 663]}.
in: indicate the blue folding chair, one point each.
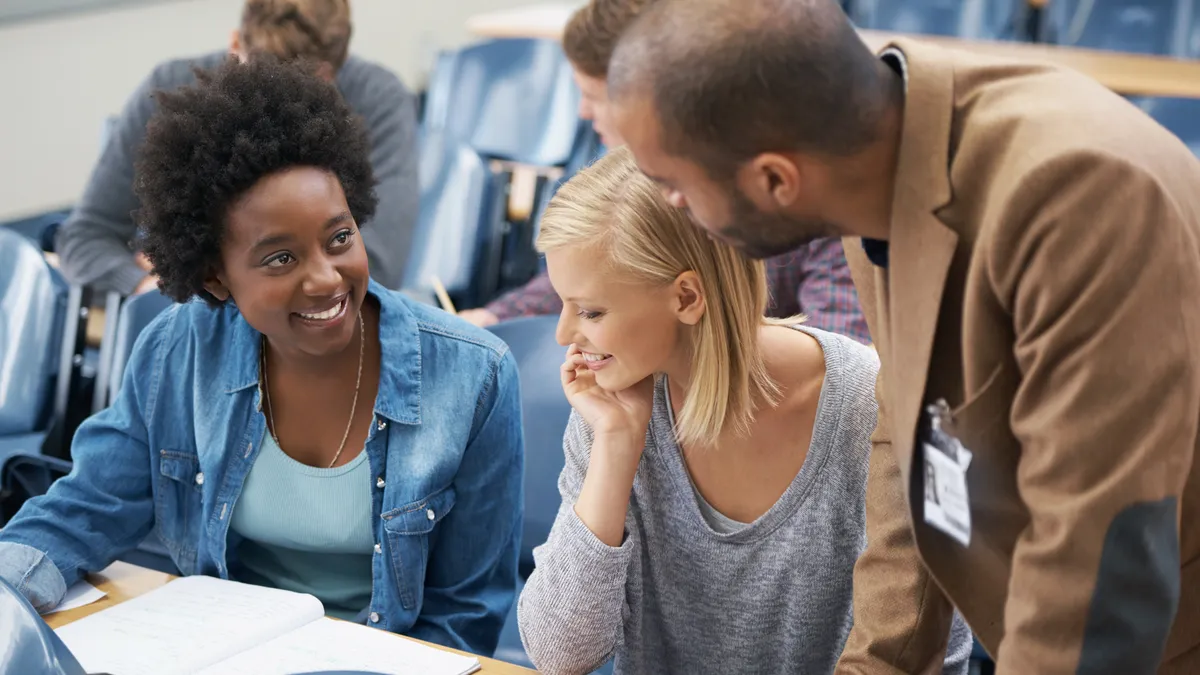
{"type": "Point", "coordinates": [457, 237]}
{"type": "Point", "coordinates": [134, 315]}
{"type": "Point", "coordinates": [33, 309]}
{"type": "Point", "coordinates": [1141, 26]}
{"type": "Point", "coordinates": [972, 19]}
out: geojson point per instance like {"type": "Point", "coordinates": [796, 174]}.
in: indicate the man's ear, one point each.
{"type": "Point", "coordinates": [216, 287]}
{"type": "Point", "coordinates": [772, 181]}
{"type": "Point", "coordinates": [688, 298]}
{"type": "Point", "coordinates": [236, 48]}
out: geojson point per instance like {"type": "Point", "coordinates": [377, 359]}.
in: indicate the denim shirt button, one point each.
{"type": "Point", "coordinates": [200, 478]}
{"type": "Point", "coordinates": [379, 482]}
{"type": "Point", "coordinates": [378, 549]}
{"type": "Point", "coordinates": [382, 424]}
{"type": "Point", "coordinates": [374, 617]}
{"type": "Point", "coordinates": [430, 514]}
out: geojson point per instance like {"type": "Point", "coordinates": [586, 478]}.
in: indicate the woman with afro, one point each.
{"type": "Point", "coordinates": [291, 424]}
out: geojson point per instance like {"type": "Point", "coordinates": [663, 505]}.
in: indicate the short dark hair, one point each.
{"type": "Point", "coordinates": [730, 79]}
{"type": "Point", "coordinates": [593, 31]}
{"type": "Point", "coordinates": [295, 29]}
{"type": "Point", "coordinates": [207, 144]}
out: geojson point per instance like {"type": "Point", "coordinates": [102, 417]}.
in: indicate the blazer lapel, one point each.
{"type": "Point", "coordinates": [921, 247]}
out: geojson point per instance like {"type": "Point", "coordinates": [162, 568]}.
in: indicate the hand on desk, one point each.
{"type": "Point", "coordinates": [479, 317]}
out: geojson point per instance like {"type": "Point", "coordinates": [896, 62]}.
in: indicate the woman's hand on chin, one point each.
{"type": "Point", "coordinates": [624, 413]}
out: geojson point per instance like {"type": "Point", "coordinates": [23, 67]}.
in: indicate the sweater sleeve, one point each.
{"type": "Point", "coordinates": [571, 613]}
{"type": "Point", "coordinates": [95, 243]}
{"type": "Point", "coordinates": [390, 112]}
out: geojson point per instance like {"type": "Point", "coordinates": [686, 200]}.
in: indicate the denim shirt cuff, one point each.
{"type": "Point", "coordinates": [33, 575]}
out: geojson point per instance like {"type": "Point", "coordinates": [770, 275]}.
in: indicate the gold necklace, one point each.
{"type": "Point", "coordinates": [362, 340]}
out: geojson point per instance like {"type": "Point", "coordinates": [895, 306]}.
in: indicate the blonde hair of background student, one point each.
{"type": "Point", "coordinates": [617, 212]}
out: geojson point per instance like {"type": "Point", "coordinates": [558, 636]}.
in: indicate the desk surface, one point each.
{"type": "Point", "coordinates": [1128, 74]}
{"type": "Point", "coordinates": [122, 582]}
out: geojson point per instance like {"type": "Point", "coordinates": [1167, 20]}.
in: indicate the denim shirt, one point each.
{"type": "Point", "coordinates": [172, 453]}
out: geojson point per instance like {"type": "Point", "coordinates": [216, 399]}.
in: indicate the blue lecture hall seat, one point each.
{"type": "Point", "coordinates": [508, 99]}
{"type": "Point", "coordinates": [1142, 26]}
{"type": "Point", "coordinates": [33, 308]}
{"type": "Point", "coordinates": [136, 313]}
{"type": "Point", "coordinates": [454, 227]}
{"type": "Point", "coordinates": [972, 19]}
{"type": "Point", "coordinates": [31, 647]}
{"type": "Point", "coordinates": [437, 92]}
{"type": "Point", "coordinates": [545, 412]}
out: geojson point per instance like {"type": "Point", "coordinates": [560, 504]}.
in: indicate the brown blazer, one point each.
{"type": "Point", "coordinates": [1043, 278]}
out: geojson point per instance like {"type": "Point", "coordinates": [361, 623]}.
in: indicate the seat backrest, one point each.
{"type": "Point", "coordinates": [33, 302]}
{"type": "Point", "coordinates": [31, 646]}
{"type": "Point", "coordinates": [438, 92]}
{"type": "Point", "coordinates": [972, 19]}
{"type": "Point", "coordinates": [514, 100]}
{"type": "Point", "coordinates": [1141, 26]}
{"type": "Point", "coordinates": [136, 313]}
{"type": "Point", "coordinates": [452, 225]}
{"type": "Point", "coordinates": [545, 412]}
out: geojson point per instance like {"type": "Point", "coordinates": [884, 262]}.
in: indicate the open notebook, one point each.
{"type": "Point", "coordinates": [205, 626]}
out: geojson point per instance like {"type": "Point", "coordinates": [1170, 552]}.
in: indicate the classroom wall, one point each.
{"type": "Point", "coordinates": [62, 75]}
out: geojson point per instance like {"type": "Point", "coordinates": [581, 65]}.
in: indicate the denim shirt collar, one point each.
{"type": "Point", "coordinates": [399, 398]}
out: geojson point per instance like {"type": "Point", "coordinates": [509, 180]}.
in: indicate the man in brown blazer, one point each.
{"type": "Point", "coordinates": [1025, 245]}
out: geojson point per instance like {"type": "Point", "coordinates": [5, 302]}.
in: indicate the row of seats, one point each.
{"type": "Point", "coordinates": [1166, 27]}
{"type": "Point", "coordinates": [491, 110]}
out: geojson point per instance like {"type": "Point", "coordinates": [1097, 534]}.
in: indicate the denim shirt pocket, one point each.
{"type": "Point", "coordinates": [408, 530]}
{"type": "Point", "coordinates": [178, 505]}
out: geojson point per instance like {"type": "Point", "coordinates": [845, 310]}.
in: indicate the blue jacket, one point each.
{"type": "Point", "coordinates": [172, 454]}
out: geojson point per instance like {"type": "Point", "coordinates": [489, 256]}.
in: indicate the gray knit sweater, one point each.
{"type": "Point", "coordinates": [677, 597]}
{"type": "Point", "coordinates": [95, 243]}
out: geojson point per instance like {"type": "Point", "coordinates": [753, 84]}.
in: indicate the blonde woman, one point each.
{"type": "Point", "coordinates": [716, 461]}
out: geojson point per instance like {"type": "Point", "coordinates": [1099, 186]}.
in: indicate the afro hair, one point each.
{"type": "Point", "coordinates": [208, 143]}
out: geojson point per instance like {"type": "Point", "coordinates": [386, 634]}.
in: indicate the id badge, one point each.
{"type": "Point", "coordinates": [947, 504]}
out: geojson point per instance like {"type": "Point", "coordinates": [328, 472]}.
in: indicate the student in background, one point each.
{"type": "Point", "coordinates": [716, 461]}
{"type": "Point", "coordinates": [813, 280]}
{"type": "Point", "coordinates": [97, 244]}
{"type": "Point", "coordinates": [1027, 247]}
{"type": "Point", "coordinates": [286, 427]}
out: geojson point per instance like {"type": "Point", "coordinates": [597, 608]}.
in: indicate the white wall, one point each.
{"type": "Point", "coordinates": [61, 76]}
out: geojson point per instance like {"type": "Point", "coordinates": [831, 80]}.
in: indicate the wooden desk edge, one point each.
{"type": "Point", "coordinates": [122, 581]}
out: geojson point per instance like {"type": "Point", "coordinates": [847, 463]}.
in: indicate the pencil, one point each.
{"type": "Point", "coordinates": [442, 296]}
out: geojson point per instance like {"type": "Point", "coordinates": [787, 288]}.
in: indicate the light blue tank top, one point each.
{"type": "Point", "coordinates": [307, 529]}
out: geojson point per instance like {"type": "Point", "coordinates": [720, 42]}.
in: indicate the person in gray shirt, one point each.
{"type": "Point", "coordinates": [713, 497]}
{"type": "Point", "coordinates": [97, 244]}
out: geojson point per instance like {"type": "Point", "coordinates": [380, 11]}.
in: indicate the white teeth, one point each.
{"type": "Point", "coordinates": [327, 314]}
{"type": "Point", "coordinates": [595, 357]}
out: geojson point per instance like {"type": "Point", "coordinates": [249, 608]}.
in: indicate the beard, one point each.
{"type": "Point", "coordinates": [765, 235]}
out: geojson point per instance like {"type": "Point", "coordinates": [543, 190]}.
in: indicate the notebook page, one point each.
{"type": "Point", "coordinates": [327, 644]}
{"type": "Point", "coordinates": [185, 626]}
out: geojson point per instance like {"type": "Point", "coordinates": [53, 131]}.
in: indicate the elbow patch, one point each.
{"type": "Point", "coordinates": [1137, 592]}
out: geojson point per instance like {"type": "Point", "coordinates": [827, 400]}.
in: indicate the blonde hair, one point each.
{"type": "Point", "coordinates": [612, 206]}
{"type": "Point", "coordinates": [295, 29]}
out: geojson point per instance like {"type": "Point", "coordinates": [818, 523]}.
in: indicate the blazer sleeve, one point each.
{"type": "Point", "coordinates": [1096, 261]}
{"type": "Point", "coordinates": [901, 618]}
